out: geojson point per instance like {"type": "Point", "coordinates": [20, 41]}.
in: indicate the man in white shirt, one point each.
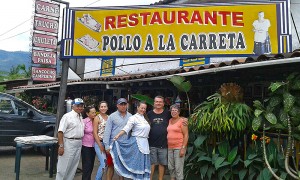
{"type": "Point", "coordinates": [262, 43]}
{"type": "Point", "coordinates": [70, 133]}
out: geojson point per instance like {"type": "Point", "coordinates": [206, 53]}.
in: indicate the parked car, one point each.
{"type": "Point", "coordinates": [18, 118]}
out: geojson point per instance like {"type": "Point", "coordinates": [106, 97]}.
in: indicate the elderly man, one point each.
{"type": "Point", "coordinates": [115, 123]}
{"type": "Point", "coordinates": [70, 133]}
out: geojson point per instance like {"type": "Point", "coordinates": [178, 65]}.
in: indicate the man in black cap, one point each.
{"type": "Point", "coordinates": [115, 123]}
{"type": "Point", "coordinates": [70, 133]}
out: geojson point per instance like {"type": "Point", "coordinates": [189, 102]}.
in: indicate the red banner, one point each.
{"type": "Point", "coordinates": [43, 57]}
{"type": "Point", "coordinates": [43, 74]}
{"type": "Point", "coordinates": [45, 41]}
{"type": "Point", "coordinates": [46, 8]}
{"type": "Point", "coordinates": [44, 24]}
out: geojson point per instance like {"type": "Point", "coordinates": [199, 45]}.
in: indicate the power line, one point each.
{"type": "Point", "coordinates": [14, 35]}
{"type": "Point", "coordinates": [92, 3]}
{"type": "Point", "coordinates": [28, 20]}
{"type": "Point", "coordinates": [14, 27]}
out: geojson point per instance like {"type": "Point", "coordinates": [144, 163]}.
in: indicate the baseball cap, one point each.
{"type": "Point", "coordinates": [77, 101]}
{"type": "Point", "coordinates": [121, 100]}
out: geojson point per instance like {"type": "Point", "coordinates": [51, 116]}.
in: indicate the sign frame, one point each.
{"type": "Point", "coordinates": [90, 43]}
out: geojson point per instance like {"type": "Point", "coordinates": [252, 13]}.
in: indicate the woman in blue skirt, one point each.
{"type": "Point", "coordinates": [132, 157]}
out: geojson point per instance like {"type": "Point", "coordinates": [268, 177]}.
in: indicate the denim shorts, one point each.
{"type": "Point", "coordinates": [158, 156]}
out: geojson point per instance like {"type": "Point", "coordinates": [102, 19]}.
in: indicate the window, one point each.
{"type": "Point", "coordinates": [6, 106]}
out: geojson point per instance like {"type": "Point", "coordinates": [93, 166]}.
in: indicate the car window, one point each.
{"type": "Point", "coordinates": [21, 110]}
{"type": "Point", "coordinates": [6, 106]}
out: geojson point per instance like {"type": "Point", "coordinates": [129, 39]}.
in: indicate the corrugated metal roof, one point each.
{"type": "Point", "coordinates": [262, 60]}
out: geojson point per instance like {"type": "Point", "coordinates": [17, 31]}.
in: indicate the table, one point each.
{"type": "Point", "coordinates": [50, 147]}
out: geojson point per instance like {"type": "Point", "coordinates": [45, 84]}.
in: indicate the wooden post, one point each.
{"type": "Point", "coordinates": [62, 93]}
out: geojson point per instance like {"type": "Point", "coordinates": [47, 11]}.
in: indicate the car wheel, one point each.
{"type": "Point", "coordinates": [43, 149]}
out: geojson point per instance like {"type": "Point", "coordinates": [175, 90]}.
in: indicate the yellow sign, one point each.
{"type": "Point", "coordinates": [107, 67]}
{"type": "Point", "coordinates": [176, 31]}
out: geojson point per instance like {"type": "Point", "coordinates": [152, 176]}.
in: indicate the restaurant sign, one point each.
{"type": "Point", "coordinates": [47, 8]}
{"type": "Point", "coordinates": [44, 24]}
{"type": "Point", "coordinates": [218, 30]}
{"type": "Point", "coordinates": [43, 40]}
{"type": "Point", "coordinates": [43, 74]}
{"type": "Point", "coordinates": [43, 57]}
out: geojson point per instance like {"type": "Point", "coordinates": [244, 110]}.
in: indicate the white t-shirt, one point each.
{"type": "Point", "coordinates": [261, 30]}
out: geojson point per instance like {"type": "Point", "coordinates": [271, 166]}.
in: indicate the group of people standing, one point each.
{"type": "Point", "coordinates": [130, 145]}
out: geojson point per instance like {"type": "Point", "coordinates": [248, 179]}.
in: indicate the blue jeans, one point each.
{"type": "Point", "coordinates": [102, 159]}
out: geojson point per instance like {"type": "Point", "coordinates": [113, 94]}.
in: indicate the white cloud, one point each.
{"type": "Point", "coordinates": [16, 12]}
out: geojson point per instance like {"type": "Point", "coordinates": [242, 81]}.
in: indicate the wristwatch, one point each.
{"type": "Point", "coordinates": [183, 147]}
{"type": "Point", "coordinates": [61, 145]}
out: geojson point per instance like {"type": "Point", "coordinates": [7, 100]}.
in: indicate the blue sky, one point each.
{"type": "Point", "coordinates": [16, 23]}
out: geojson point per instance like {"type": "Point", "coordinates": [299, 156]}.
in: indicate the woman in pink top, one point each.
{"type": "Point", "coordinates": [87, 150]}
{"type": "Point", "coordinates": [177, 140]}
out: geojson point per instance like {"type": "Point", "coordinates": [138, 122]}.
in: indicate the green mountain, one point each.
{"type": "Point", "coordinates": [9, 59]}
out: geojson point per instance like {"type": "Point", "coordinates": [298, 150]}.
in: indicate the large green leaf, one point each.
{"type": "Point", "coordinates": [145, 98]}
{"type": "Point", "coordinates": [257, 104]}
{"type": "Point", "coordinates": [247, 162]}
{"type": "Point", "coordinates": [218, 163]}
{"type": "Point", "coordinates": [210, 172]}
{"type": "Point", "coordinates": [271, 118]}
{"type": "Point", "coordinates": [232, 155]}
{"type": "Point", "coordinates": [222, 172]}
{"type": "Point", "coordinates": [257, 112]}
{"type": "Point", "coordinates": [274, 86]}
{"type": "Point", "coordinates": [283, 117]}
{"type": "Point", "coordinates": [274, 101]}
{"type": "Point", "coordinates": [256, 123]}
{"type": "Point", "coordinates": [242, 174]}
{"type": "Point", "coordinates": [204, 158]}
{"type": "Point", "coordinates": [252, 156]}
{"type": "Point", "coordinates": [224, 148]}
{"type": "Point", "coordinates": [203, 170]}
{"type": "Point", "coordinates": [267, 174]}
{"type": "Point", "coordinates": [295, 111]}
{"type": "Point", "coordinates": [199, 141]}
{"type": "Point", "coordinates": [180, 83]}
{"type": "Point", "coordinates": [296, 85]}
{"type": "Point", "coordinates": [288, 101]}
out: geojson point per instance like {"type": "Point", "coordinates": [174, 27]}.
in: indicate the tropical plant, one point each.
{"type": "Point", "coordinates": [182, 86]}
{"type": "Point", "coordinates": [281, 112]}
{"type": "Point", "coordinates": [223, 114]}
{"type": "Point", "coordinates": [144, 98]}
{"type": "Point", "coordinates": [206, 162]}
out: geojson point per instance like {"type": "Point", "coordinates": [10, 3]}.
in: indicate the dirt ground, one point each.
{"type": "Point", "coordinates": [33, 166]}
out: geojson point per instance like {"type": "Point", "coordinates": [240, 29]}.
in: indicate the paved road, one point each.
{"type": "Point", "coordinates": [32, 165]}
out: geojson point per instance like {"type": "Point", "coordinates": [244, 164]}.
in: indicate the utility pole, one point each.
{"type": "Point", "coordinates": [63, 84]}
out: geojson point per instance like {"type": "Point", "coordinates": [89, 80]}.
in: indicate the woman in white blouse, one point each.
{"type": "Point", "coordinates": [132, 157]}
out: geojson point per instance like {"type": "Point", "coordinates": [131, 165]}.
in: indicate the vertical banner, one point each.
{"type": "Point", "coordinates": [44, 40]}
{"type": "Point", "coordinates": [108, 67]}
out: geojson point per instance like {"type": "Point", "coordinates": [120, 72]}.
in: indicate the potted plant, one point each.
{"type": "Point", "coordinates": [223, 115]}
